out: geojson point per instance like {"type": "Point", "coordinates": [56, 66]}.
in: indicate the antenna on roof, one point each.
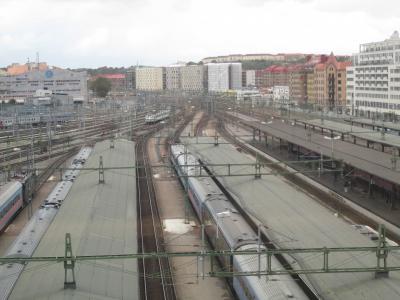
{"type": "Point", "coordinates": [37, 61]}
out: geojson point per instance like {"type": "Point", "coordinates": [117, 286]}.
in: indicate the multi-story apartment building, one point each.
{"type": "Point", "coordinates": [250, 78]}
{"type": "Point", "coordinates": [310, 88]}
{"type": "Point", "coordinates": [373, 83]}
{"type": "Point", "coordinates": [309, 68]}
{"type": "Point", "coordinates": [224, 76]}
{"type": "Point", "coordinates": [330, 83]}
{"type": "Point", "coordinates": [235, 76]}
{"type": "Point", "coordinates": [173, 77]}
{"type": "Point", "coordinates": [194, 78]}
{"type": "Point", "coordinates": [297, 84]}
{"type": "Point", "coordinates": [150, 79]}
{"type": "Point", "coordinates": [130, 79]}
{"type": "Point", "coordinates": [56, 80]}
{"type": "Point", "coordinates": [276, 76]}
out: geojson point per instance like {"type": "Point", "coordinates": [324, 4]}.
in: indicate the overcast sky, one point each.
{"type": "Point", "coordinates": [92, 33]}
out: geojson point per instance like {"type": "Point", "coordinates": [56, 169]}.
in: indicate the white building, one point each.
{"type": "Point", "coordinates": [250, 96]}
{"type": "Point", "coordinates": [55, 80]}
{"type": "Point", "coordinates": [373, 83]}
{"type": "Point", "coordinates": [194, 78]}
{"type": "Point", "coordinates": [235, 76]}
{"type": "Point", "coordinates": [250, 78]}
{"type": "Point", "coordinates": [150, 79]}
{"type": "Point", "coordinates": [281, 94]}
{"type": "Point", "coordinates": [173, 77]}
{"type": "Point", "coordinates": [224, 76]}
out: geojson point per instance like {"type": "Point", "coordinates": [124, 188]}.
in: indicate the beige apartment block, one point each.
{"type": "Point", "coordinates": [194, 78]}
{"type": "Point", "coordinates": [173, 77]}
{"type": "Point", "coordinates": [330, 83]}
{"type": "Point", "coordinates": [150, 79]}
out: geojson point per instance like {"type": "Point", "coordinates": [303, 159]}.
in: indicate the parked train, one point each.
{"type": "Point", "coordinates": [227, 229]}
{"type": "Point", "coordinates": [157, 116]}
{"type": "Point", "coordinates": [30, 236]}
{"type": "Point", "coordinates": [35, 119]}
{"type": "Point", "coordinates": [10, 202]}
{"type": "Point", "coordinates": [13, 195]}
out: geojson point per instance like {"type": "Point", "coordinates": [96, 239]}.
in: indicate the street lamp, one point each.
{"type": "Point", "coordinates": [336, 137]}
{"type": "Point", "coordinates": [17, 149]}
{"type": "Point", "coordinates": [265, 123]}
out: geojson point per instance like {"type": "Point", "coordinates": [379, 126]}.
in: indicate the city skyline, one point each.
{"type": "Point", "coordinates": [95, 33]}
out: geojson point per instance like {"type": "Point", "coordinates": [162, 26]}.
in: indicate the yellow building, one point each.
{"type": "Point", "coordinates": [310, 88]}
{"type": "Point", "coordinates": [330, 83]}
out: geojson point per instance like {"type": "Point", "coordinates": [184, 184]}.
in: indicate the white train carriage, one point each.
{"type": "Point", "coordinates": [10, 202]}
{"type": "Point", "coordinates": [7, 122]}
{"type": "Point", "coordinates": [25, 119]}
{"type": "Point", "coordinates": [28, 119]}
{"type": "Point", "coordinates": [30, 236]}
{"type": "Point", "coordinates": [227, 229]}
{"type": "Point", "coordinates": [156, 117]}
{"type": "Point", "coordinates": [57, 117]}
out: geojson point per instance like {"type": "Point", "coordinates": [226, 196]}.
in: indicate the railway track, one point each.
{"type": "Point", "coordinates": [68, 131]}
{"type": "Point", "coordinates": [156, 278]}
{"type": "Point", "coordinates": [61, 143]}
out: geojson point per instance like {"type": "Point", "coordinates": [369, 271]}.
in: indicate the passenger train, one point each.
{"type": "Point", "coordinates": [157, 116]}
{"type": "Point", "coordinates": [227, 229]}
{"type": "Point", "coordinates": [35, 119]}
{"type": "Point", "coordinates": [10, 202]}
{"type": "Point", "coordinates": [29, 238]}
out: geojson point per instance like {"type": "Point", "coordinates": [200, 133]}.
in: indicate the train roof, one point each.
{"type": "Point", "coordinates": [296, 220]}
{"type": "Point", "coordinates": [28, 239]}
{"type": "Point", "coordinates": [102, 220]}
{"type": "Point", "coordinates": [277, 287]}
{"type": "Point", "coordinates": [235, 229]}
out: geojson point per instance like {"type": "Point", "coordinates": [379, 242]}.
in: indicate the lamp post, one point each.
{"type": "Point", "coordinates": [17, 149]}
{"type": "Point", "coordinates": [336, 137]}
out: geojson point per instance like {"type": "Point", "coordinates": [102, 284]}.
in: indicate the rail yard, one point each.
{"type": "Point", "coordinates": [177, 202]}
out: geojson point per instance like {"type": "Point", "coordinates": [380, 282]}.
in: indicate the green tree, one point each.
{"type": "Point", "coordinates": [101, 87]}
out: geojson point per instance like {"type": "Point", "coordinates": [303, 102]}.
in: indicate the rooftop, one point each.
{"type": "Point", "coordinates": [111, 76]}
{"type": "Point", "coordinates": [294, 219]}
{"type": "Point", "coordinates": [102, 220]}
